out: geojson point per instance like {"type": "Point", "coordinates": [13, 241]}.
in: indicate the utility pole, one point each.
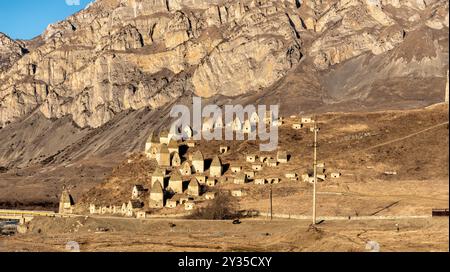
{"type": "Point", "coordinates": [315, 172]}
{"type": "Point", "coordinates": [270, 198]}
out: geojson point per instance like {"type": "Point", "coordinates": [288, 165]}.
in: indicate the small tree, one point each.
{"type": "Point", "coordinates": [222, 207]}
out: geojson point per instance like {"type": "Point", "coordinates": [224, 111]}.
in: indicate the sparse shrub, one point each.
{"type": "Point", "coordinates": [222, 207]}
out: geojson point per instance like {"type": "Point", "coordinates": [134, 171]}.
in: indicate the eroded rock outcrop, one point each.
{"type": "Point", "coordinates": [10, 52]}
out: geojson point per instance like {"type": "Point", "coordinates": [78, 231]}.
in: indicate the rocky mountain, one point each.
{"type": "Point", "coordinates": [119, 55]}
{"type": "Point", "coordinates": [94, 84]}
{"type": "Point", "coordinates": [10, 52]}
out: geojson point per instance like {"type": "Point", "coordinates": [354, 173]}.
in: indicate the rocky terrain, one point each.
{"type": "Point", "coordinates": [121, 55]}
{"type": "Point", "coordinates": [90, 88]}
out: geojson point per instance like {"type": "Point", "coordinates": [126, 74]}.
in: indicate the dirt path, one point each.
{"type": "Point", "coordinates": [404, 137]}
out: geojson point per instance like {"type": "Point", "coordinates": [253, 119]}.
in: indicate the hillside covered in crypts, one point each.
{"type": "Point", "coordinates": [86, 93]}
{"type": "Point", "coordinates": [361, 146]}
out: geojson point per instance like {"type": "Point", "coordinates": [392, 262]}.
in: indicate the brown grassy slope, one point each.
{"type": "Point", "coordinates": [347, 144]}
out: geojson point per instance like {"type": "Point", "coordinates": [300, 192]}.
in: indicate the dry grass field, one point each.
{"type": "Point", "coordinates": [126, 235]}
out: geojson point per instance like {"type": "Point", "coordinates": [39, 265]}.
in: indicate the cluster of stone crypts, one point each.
{"type": "Point", "coordinates": [185, 176]}
{"type": "Point", "coordinates": [129, 209]}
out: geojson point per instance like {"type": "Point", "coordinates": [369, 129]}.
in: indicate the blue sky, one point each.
{"type": "Point", "coordinates": [26, 19]}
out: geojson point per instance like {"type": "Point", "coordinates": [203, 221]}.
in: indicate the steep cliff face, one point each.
{"type": "Point", "coordinates": [10, 52]}
{"type": "Point", "coordinates": [119, 55]}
